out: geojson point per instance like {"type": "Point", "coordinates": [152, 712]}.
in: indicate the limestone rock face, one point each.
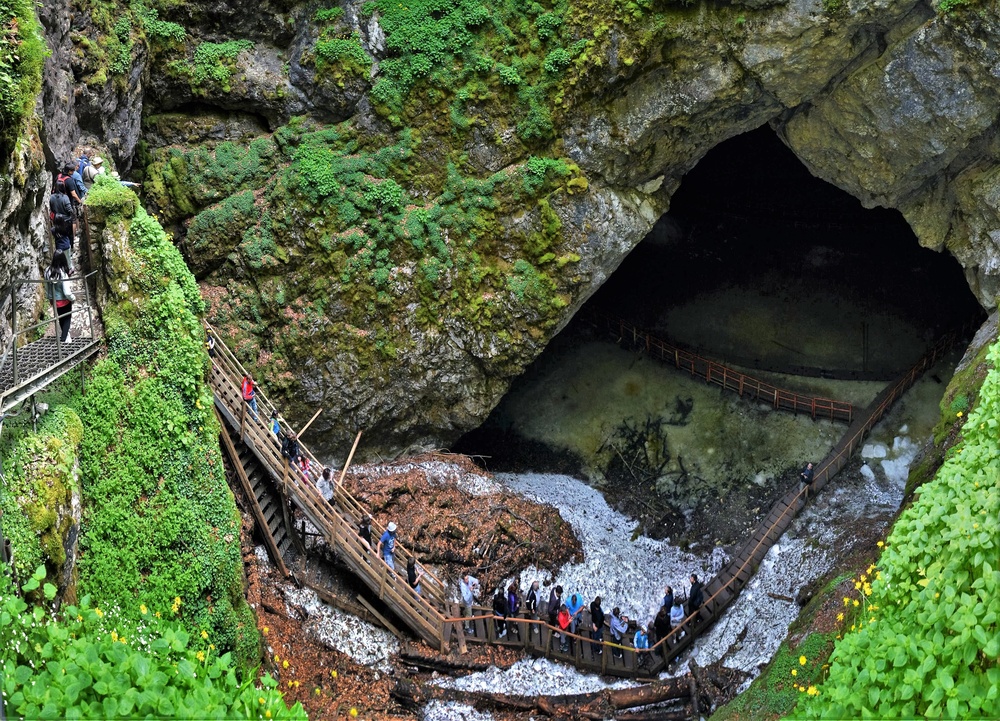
{"type": "Point", "coordinates": [24, 194]}
{"type": "Point", "coordinates": [888, 99]}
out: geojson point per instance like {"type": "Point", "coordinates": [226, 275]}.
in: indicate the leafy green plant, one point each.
{"type": "Point", "coordinates": [22, 54]}
{"type": "Point", "coordinates": [84, 662]}
{"type": "Point", "coordinates": [931, 644]}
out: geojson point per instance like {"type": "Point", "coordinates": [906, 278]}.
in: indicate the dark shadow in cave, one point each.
{"type": "Point", "coordinates": [760, 264]}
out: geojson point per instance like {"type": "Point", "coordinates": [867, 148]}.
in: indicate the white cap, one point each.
{"type": "Point", "coordinates": [391, 527]}
{"type": "Point", "coordinates": [97, 160]}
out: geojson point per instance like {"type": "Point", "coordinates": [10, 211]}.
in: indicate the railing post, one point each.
{"type": "Point", "coordinates": [13, 330]}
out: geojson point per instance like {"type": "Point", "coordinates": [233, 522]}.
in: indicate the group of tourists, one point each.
{"type": "Point", "coordinates": [565, 614]}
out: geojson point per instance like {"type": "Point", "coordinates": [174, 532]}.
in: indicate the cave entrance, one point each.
{"type": "Point", "coordinates": [766, 268]}
{"type": "Point", "coordinates": [763, 265]}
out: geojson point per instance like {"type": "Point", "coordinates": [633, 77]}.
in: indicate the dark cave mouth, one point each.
{"type": "Point", "coordinates": [760, 265]}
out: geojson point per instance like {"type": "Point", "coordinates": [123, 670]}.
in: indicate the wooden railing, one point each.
{"type": "Point", "coordinates": [728, 378]}
{"type": "Point", "coordinates": [336, 519]}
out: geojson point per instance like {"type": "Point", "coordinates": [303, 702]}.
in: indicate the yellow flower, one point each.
{"type": "Point", "coordinates": [114, 635]}
{"type": "Point", "coordinates": [266, 629]}
{"type": "Point", "coordinates": [846, 600]}
{"type": "Point", "coordinates": [840, 616]}
{"type": "Point", "coordinates": [99, 612]}
{"type": "Point", "coordinates": [79, 617]}
{"type": "Point", "coordinates": [802, 660]}
{"type": "Point", "coordinates": [277, 657]}
{"type": "Point", "coordinates": [204, 634]}
{"type": "Point", "coordinates": [795, 672]}
{"type": "Point", "coordinates": [157, 614]}
{"type": "Point", "coordinates": [855, 602]}
{"type": "Point", "coordinates": [354, 712]}
{"type": "Point", "coordinates": [122, 639]}
{"type": "Point", "coordinates": [871, 620]}
{"type": "Point", "coordinates": [880, 544]}
{"type": "Point", "coordinates": [260, 700]}
{"type": "Point", "coordinates": [857, 585]}
{"type": "Point", "coordinates": [284, 664]}
{"type": "Point", "coordinates": [200, 655]}
{"type": "Point", "coordinates": [864, 577]}
{"type": "Point", "coordinates": [317, 692]}
{"type": "Point", "coordinates": [267, 714]}
{"type": "Point", "coordinates": [142, 609]}
{"type": "Point", "coordinates": [812, 691]}
{"type": "Point", "coordinates": [959, 414]}
{"type": "Point", "coordinates": [333, 673]}
{"type": "Point", "coordinates": [211, 647]}
{"type": "Point", "coordinates": [177, 600]}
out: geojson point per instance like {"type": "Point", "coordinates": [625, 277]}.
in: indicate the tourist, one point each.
{"type": "Point", "coordinates": [304, 465]}
{"type": "Point", "coordinates": [563, 620]}
{"type": "Point", "coordinates": [513, 606]}
{"type": "Point", "coordinates": [210, 347]}
{"type": "Point", "coordinates": [365, 530]}
{"type": "Point", "coordinates": [575, 606]}
{"type": "Point", "coordinates": [596, 626]}
{"type": "Point", "coordinates": [661, 624]}
{"type": "Point", "coordinates": [555, 601]}
{"type": "Point", "coordinates": [641, 643]}
{"type": "Point", "coordinates": [695, 597]}
{"type": "Point", "coordinates": [275, 425]}
{"type": "Point", "coordinates": [413, 576]}
{"type": "Point", "coordinates": [677, 614]}
{"type": "Point", "coordinates": [668, 598]}
{"type": "Point", "coordinates": [58, 289]}
{"type": "Point", "coordinates": [468, 587]}
{"type": "Point", "coordinates": [290, 448]}
{"type": "Point", "coordinates": [127, 183]}
{"type": "Point", "coordinates": [387, 545]}
{"type": "Point", "coordinates": [91, 171]}
{"type": "Point", "coordinates": [327, 485]}
{"type": "Point", "coordinates": [62, 216]}
{"type": "Point", "coordinates": [249, 391]}
{"type": "Point", "coordinates": [500, 611]}
{"type": "Point", "coordinates": [806, 477]}
{"type": "Point", "coordinates": [619, 627]}
{"type": "Point", "coordinates": [76, 192]}
{"type": "Point", "coordinates": [531, 600]}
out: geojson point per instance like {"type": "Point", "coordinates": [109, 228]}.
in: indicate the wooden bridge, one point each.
{"type": "Point", "coordinates": [433, 616]}
{"type": "Point", "coordinates": [33, 357]}
{"type": "Point", "coordinates": [714, 372]}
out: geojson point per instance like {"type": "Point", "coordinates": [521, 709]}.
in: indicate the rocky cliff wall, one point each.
{"type": "Point", "coordinates": [491, 167]}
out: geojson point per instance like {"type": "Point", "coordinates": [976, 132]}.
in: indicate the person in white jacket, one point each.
{"type": "Point", "coordinates": [58, 289]}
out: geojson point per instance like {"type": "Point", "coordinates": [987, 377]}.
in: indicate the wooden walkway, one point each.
{"type": "Point", "coordinates": [727, 378]}
{"type": "Point", "coordinates": [437, 619]}
{"type": "Point", "coordinates": [28, 367]}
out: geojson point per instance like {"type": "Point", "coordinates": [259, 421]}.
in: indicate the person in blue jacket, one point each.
{"type": "Point", "coordinates": [387, 545]}
{"type": "Point", "coordinates": [575, 606]}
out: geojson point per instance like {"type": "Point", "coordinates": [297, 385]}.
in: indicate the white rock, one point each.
{"type": "Point", "coordinates": [868, 473]}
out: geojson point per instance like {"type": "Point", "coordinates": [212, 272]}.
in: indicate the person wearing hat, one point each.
{"type": "Point", "coordinates": [91, 172]}
{"type": "Point", "coordinates": [387, 545]}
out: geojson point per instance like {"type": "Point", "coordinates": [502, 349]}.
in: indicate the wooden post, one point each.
{"type": "Point", "coordinates": [306, 426]}
{"type": "Point", "coordinates": [349, 457]}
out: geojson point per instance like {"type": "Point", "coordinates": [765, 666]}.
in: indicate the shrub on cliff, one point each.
{"type": "Point", "coordinates": [930, 642]}
{"type": "Point", "coordinates": [22, 53]}
{"type": "Point", "coordinates": [160, 522]}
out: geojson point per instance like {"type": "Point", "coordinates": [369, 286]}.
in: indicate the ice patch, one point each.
{"type": "Point", "coordinates": [451, 711]}
{"type": "Point", "coordinates": [874, 450]}
{"type": "Point", "coordinates": [868, 473]}
{"type": "Point", "coordinates": [531, 677]}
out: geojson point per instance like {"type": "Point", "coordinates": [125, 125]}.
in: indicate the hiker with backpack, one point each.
{"type": "Point", "coordinates": [91, 171]}
{"type": "Point", "coordinates": [249, 391]}
{"type": "Point", "coordinates": [73, 178]}
{"type": "Point", "coordinates": [57, 288]}
{"type": "Point", "coordinates": [62, 216]}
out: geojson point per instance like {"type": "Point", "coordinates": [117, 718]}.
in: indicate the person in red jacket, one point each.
{"type": "Point", "coordinates": [563, 620]}
{"type": "Point", "coordinates": [250, 395]}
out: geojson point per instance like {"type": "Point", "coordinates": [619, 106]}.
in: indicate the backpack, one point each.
{"type": "Point", "coordinates": [82, 164]}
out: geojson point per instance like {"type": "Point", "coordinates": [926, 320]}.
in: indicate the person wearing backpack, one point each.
{"type": "Point", "coordinates": [91, 171]}
{"type": "Point", "coordinates": [63, 218]}
{"type": "Point", "coordinates": [58, 289]}
{"type": "Point", "coordinates": [76, 192]}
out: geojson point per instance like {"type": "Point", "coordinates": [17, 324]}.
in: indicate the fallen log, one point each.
{"type": "Point", "coordinates": [598, 705]}
{"type": "Point", "coordinates": [780, 597]}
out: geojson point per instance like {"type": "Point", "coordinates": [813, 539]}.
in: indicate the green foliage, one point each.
{"type": "Point", "coordinates": [159, 31]}
{"type": "Point", "coordinates": [22, 54]}
{"type": "Point", "coordinates": [161, 522]}
{"type": "Point", "coordinates": [345, 51]}
{"type": "Point", "coordinates": [120, 47]}
{"type": "Point", "coordinates": [110, 199]}
{"type": "Point", "coordinates": [948, 6]}
{"type": "Point", "coordinates": [83, 662]}
{"type": "Point", "coordinates": [932, 643]}
{"type": "Point", "coordinates": [212, 65]}
{"type": "Point", "coordinates": [39, 486]}
{"type": "Point", "coordinates": [328, 14]}
{"type": "Point", "coordinates": [215, 231]}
